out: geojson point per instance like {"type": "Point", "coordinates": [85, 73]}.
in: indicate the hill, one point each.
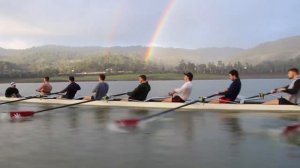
{"type": "Point", "coordinates": [167, 56]}
{"type": "Point", "coordinates": [270, 57]}
{"type": "Point", "coordinates": [280, 50]}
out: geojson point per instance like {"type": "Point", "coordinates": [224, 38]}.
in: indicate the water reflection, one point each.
{"type": "Point", "coordinates": [232, 124]}
{"type": "Point", "coordinates": [294, 138]}
{"type": "Point", "coordinates": [102, 115]}
{"type": "Point", "coordinates": [188, 127]}
{"type": "Point", "coordinates": [140, 112]}
{"type": "Point", "coordinates": [73, 119]}
{"type": "Point", "coordinates": [290, 117]}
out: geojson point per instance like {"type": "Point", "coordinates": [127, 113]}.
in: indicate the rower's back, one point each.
{"type": "Point", "coordinates": [101, 90]}
{"type": "Point", "coordinates": [234, 89]}
{"type": "Point", "coordinates": [72, 90]}
{"type": "Point", "coordinates": [141, 92]}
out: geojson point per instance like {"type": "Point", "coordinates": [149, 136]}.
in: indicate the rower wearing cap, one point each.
{"type": "Point", "coordinates": [183, 93]}
{"type": "Point", "coordinates": [293, 90]}
{"type": "Point", "coordinates": [230, 94]}
{"type": "Point", "coordinates": [46, 87]}
{"type": "Point", "coordinates": [12, 91]}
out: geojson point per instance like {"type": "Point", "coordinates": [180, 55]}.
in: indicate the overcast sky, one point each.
{"type": "Point", "coordinates": [191, 24]}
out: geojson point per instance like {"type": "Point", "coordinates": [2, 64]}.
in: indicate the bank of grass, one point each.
{"type": "Point", "coordinates": [116, 77]}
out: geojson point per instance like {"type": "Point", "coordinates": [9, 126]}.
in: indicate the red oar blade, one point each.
{"type": "Point", "coordinates": [291, 129]}
{"type": "Point", "coordinates": [128, 122]}
{"type": "Point", "coordinates": [15, 114]}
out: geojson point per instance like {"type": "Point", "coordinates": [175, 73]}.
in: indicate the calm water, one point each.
{"type": "Point", "coordinates": [84, 137]}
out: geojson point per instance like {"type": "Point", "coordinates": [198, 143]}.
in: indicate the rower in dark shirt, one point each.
{"type": "Point", "coordinates": [293, 90]}
{"type": "Point", "coordinates": [140, 93]}
{"type": "Point", "coordinates": [12, 91]}
{"type": "Point", "coordinates": [233, 91]}
{"type": "Point", "coordinates": [71, 89]}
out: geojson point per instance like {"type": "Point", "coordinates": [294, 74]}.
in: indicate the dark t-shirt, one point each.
{"type": "Point", "coordinates": [233, 90]}
{"type": "Point", "coordinates": [71, 90]}
{"type": "Point", "coordinates": [140, 93]}
{"type": "Point", "coordinates": [11, 91]}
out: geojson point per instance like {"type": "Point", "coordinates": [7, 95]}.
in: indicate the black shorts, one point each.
{"type": "Point", "coordinates": [93, 98]}
{"type": "Point", "coordinates": [283, 101]}
{"type": "Point", "coordinates": [177, 99]}
{"type": "Point", "coordinates": [65, 97]}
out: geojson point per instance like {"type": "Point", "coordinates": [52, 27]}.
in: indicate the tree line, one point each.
{"type": "Point", "coordinates": [266, 67]}
{"type": "Point", "coordinates": [135, 64]}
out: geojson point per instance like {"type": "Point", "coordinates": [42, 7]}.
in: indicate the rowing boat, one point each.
{"type": "Point", "coordinates": [161, 105]}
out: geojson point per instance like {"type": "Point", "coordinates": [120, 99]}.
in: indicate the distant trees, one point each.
{"type": "Point", "coordinates": [118, 63]}
{"type": "Point", "coordinates": [267, 67]}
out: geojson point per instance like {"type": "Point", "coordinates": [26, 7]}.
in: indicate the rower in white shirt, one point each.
{"type": "Point", "coordinates": [183, 93]}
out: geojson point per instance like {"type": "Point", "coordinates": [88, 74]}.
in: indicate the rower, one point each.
{"type": "Point", "coordinates": [293, 90]}
{"type": "Point", "coordinates": [71, 89]}
{"type": "Point", "coordinates": [100, 90]}
{"type": "Point", "coordinates": [46, 87]}
{"type": "Point", "coordinates": [12, 91]}
{"type": "Point", "coordinates": [183, 93]}
{"type": "Point", "coordinates": [140, 93]}
{"type": "Point", "coordinates": [230, 94]}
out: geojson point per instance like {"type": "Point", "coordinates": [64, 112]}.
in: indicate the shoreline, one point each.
{"type": "Point", "coordinates": [134, 77]}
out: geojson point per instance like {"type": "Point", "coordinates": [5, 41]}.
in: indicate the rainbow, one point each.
{"type": "Point", "coordinates": [159, 26]}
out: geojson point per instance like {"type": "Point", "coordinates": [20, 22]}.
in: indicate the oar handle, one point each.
{"type": "Point", "coordinates": [202, 99]}
{"type": "Point", "coordinates": [53, 93]}
{"type": "Point", "coordinates": [68, 105]}
{"type": "Point", "coordinates": [120, 94]}
{"type": "Point", "coordinates": [116, 95]}
{"type": "Point", "coordinates": [167, 111]}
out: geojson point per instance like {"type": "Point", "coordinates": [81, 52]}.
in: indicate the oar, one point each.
{"type": "Point", "coordinates": [290, 129]}
{"type": "Point", "coordinates": [260, 95]}
{"type": "Point", "coordinates": [203, 99]}
{"type": "Point", "coordinates": [135, 121]}
{"type": "Point", "coordinates": [27, 98]}
{"type": "Point", "coordinates": [116, 95]}
{"type": "Point", "coordinates": [31, 113]}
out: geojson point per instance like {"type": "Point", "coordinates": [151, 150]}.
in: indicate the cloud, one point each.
{"type": "Point", "coordinates": [10, 27]}
{"type": "Point", "coordinates": [192, 23]}
{"type": "Point", "coordinates": [15, 44]}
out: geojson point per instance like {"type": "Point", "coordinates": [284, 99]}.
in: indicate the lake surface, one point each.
{"type": "Point", "coordinates": [78, 137]}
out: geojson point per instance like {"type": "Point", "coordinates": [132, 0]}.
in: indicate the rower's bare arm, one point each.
{"type": "Point", "coordinates": [280, 90]}
{"type": "Point", "coordinates": [40, 88]}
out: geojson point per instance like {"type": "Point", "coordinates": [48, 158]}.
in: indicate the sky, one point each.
{"type": "Point", "coordinates": [188, 24]}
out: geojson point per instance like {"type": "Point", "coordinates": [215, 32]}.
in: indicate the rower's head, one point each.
{"type": "Point", "coordinates": [233, 75]}
{"type": "Point", "coordinates": [13, 84]}
{"type": "Point", "coordinates": [102, 77]}
{"type": "Point", "coordinates": [293, 73]}
{"type": "Point", "coordinates": [46, 79]}
{"type": "Point", "coordinates": [142, 78]}
{"type": "Point", "coordinates": [71, 78]}
{"type": "Point", "coordinates": [188, 76]}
